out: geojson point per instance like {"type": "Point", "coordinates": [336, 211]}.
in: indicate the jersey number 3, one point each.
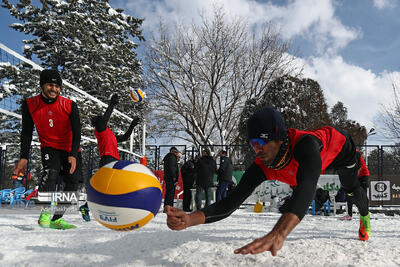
{"type": "Point", "coordinates": [51, 122]}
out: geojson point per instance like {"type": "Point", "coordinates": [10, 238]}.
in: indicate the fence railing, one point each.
{"type": "Point", "coordinates": [381, 160]}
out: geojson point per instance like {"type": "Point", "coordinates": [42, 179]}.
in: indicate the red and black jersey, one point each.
{"type": "Point", "coordinates": [52, 122]}
{"type": "Point", "coordinates": [107, 143]}
{"type": "Point", "coordinates": [332, 143]}
{"type": "Point", "coordinates": [312, 153]}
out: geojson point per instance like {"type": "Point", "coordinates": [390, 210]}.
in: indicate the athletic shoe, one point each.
{"type": "Point", "coordinates": [44, 219]}
{"type": "Point", "coordinates": [346, 218]}
{"type": "Point", "coordinates": [60, 224]}
{"type": "Point", "coordinates": [365, 227]}
{"type": "Point", "coordinates": [85, 212]}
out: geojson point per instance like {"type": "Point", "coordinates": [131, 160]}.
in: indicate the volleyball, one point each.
{"type": "Point", "coordinates": [137, 95]}
{"type": "Point", "coordinates": [124, 195]}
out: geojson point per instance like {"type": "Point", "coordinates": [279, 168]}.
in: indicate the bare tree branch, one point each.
{"type": "Point", "coordinates": [201, 76]}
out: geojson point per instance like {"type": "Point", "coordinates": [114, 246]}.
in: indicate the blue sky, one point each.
{"type": "Point", "coordinates": [350, 47]}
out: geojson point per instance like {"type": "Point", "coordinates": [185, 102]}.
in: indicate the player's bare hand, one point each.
{"type": "Point", "coordinates": [72, 161]}
{"type": "Point", "coordinates": [21, 164]}
{"type": "Point", "coordinates": [177, 219]}
{"type": "Point", "coordinates": [271, 242]}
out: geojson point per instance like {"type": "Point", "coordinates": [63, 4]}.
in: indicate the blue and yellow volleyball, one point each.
{"type": "Point", "coordinates": [137, 95]}
{"type": "Point", "coordinates": [124, 195]}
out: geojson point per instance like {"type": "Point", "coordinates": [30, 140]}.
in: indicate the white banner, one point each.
{"type": "Point", "coordinates": [274, 188]}
{"type": "Point", "coordinates": [380, 190]}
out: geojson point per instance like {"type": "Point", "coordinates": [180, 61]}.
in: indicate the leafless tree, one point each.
{"type": "Point", "coordinates": [200, 77]}
{"type": "Point", "coordinates": [389, 116]}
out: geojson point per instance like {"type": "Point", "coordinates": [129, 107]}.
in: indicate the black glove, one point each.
{"type": "Point", "coordinates": [114, 99]}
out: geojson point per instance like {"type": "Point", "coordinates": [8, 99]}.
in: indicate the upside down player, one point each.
{"type": "Point", "coordinates": [107, 141]}
{"type": "Point", "coordinates": [58, 125]}
{"type": "Point", "coordinates": [293, 157]}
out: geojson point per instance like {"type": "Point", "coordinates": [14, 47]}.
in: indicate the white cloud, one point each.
{"type": "Point", "coordinates": [314, 20]}
{"type": "Point", "coordinates": [361, 91]}
{"type": "Point", "coordinates": [381, 4]}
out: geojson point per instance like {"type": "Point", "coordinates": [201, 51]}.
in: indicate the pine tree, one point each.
{"type": "Point", "coordinates": [303, 106]}
{"type": "Point", "coordinates": [301, 102]}
{"type": "Point", "coordinates": [340, 120]}
{"type": "Point", "coordinates": [90, 43]}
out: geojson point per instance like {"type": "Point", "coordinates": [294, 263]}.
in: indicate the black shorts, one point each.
{"type": "Point", "coordinates": [104, 160]}
{"type": "Point", "coordinates": [58, 160]}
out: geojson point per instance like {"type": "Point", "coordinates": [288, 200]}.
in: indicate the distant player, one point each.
{"type": "Point", "coordinates": [291, 156]}
{"type": "Point", "coordinates": [107, 141]}
{"type": "Point", "coordinates": [363, 176]}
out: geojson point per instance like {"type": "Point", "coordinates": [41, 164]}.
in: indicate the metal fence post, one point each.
{"type": "Point", "coordinates": [380, 162]}
{"type": "Point", "coordinates": [90, 164]}
{"type": "Point", "coordinates": [1, 168]}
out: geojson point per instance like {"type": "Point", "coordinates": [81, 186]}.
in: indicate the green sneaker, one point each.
{"type": "Point", "coordinates": [61, 224]}
{"type": "Point", "coordinates": [84, 209]}
{"type": "Point", "coordinates": [365, 227]}
{"type": "Point", "coordinates": [44, 219]}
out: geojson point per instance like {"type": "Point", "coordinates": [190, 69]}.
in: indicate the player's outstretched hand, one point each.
{"type": "Point", "coordinates": [114, 99]}
{"type": "Point", "coordinates": [177, 219]}
{"type": "Point", "coordinates": [271, 242]}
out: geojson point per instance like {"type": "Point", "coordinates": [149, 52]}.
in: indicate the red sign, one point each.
{"type": "Point", "coordinates": [178, 187]}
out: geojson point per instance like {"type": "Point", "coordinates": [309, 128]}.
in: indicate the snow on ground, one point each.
{"type": "Point", "coordinates": [316, 241]}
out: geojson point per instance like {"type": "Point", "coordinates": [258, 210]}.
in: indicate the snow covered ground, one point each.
{"type": "Point", "coordinates": [317, 241]}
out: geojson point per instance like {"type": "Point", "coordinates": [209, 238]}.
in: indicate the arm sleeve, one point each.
{"type": "Point", "coordinates": [222, 167]}
{"type": "Point", "coordinates": [76, 129]}
{"type": "Point", "coordinates": [27, 130]}
{"type": "Point", "coordinates": [307, 154]}
{"type": "Point", "coordinates": [125, 136]}
{"type": "Point", "coordinates": [251, 178]}
{"type": "Point", "coordinates": [170, 164]}
{"type": "Point", "coordinates": [101, 124]}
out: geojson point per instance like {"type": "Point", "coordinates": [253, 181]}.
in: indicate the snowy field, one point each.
{"type": "Point", "coordinates": [317, 241]}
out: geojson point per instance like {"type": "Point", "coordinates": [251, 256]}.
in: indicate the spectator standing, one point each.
{"type": "Point", "coordinates": [188, 173]}
{"type": "Point", "coordinates": [224, 175]}
{"type": "Point", "coordinates": [205, 169]}
{"type": "Point", "coordinates": [171, 174]}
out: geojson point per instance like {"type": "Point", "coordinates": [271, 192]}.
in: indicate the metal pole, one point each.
{"type": "Point", "coordinates": [1, 167]}
{"type": "Point", "coordinates": [144, 139]}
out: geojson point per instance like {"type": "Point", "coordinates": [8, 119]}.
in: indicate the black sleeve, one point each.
{"type": "Point", "coordinates": [307, 154]}
{"type": "Point", "coordinates": [125, 136]}
{"type": "Point", "coordinates": [222, 167]}
{"type": "Point", "coordinates": [27, 130]}
{"type": "Point", "coordinates": [170, 163]}
{"type": "Point", "coordinates": [101, 124]}
{"type": "Point", "coordinates": [76, 129]}
{"type": "Point", "coordinates": [251, 178]}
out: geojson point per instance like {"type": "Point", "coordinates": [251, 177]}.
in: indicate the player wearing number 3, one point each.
{"type": "Point", "coordinates": [58, 126]}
